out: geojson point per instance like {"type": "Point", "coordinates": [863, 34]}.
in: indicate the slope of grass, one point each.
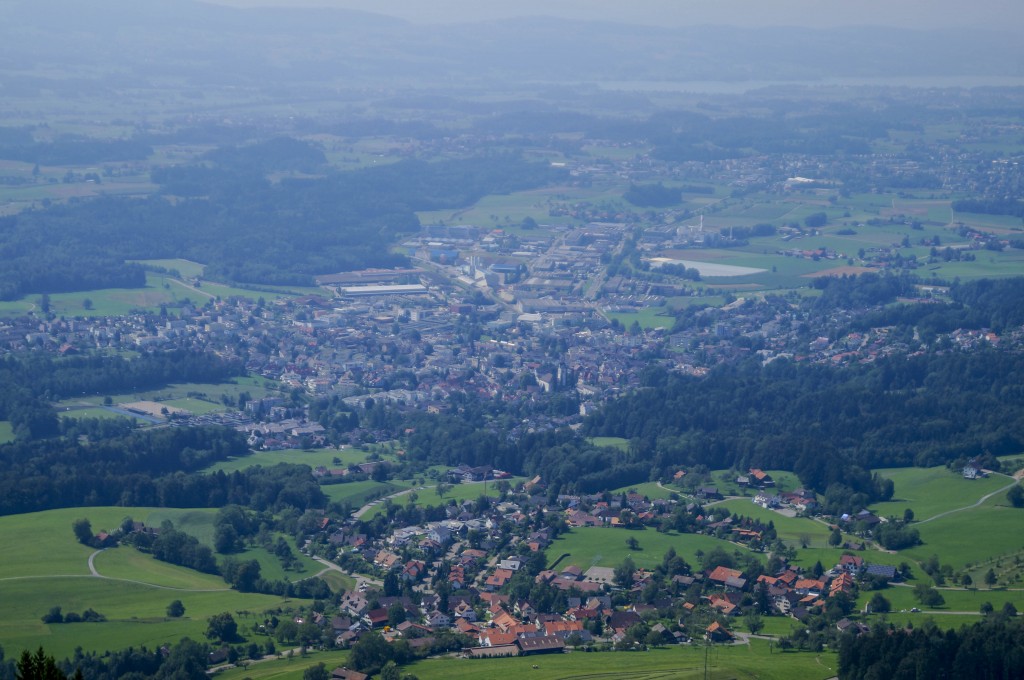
{"type": "Point", "coordinates": [607, 547]}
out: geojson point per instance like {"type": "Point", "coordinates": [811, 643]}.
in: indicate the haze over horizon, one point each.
{"type": "Point", "coordinates": [911, 14]}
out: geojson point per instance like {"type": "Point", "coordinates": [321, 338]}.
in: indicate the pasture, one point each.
{"type": "Point", "coordinates": [930, 491]}
{"type": "Point", "coordinates": [428, 496]}
{"type": "Point", "coordinates": [649, 489]}
{"type": "Point", "coordinates": [49, 568]}
{"type": "Point", "coordinates": [310, 457]}
{"type": "Point", "coordinates": [740, 662]}
{"type": "Point", "coordinates": [6, 432]}
{"type": "Point", "coordinates": [972, 536]}
{"type": "Point", "coordinates": [606, 547]}
{"type": "Point", "coordinates": [791, 530]}
{"type": "Point", "coordinates": [616, 442]}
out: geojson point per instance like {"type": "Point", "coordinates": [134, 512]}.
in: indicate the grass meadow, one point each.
{"type": "Point", "coordinates": [737, 662]}
{"type": "Point", "coordinates": [930, 491]}
{"type": "Point", "coordinates": [6, 432]}
{"type": "Point", "coordinates": [607, 547]}
{"type": "Point", "coordinates": [49, 568]}
{"type": "Point", "coordinates": [310, 457]}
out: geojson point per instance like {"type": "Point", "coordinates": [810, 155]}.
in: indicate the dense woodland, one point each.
{"type": "Point", "coordinates": [990, 650]}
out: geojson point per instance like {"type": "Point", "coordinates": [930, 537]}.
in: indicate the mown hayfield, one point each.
{"type": "Point", "coordinates": [607, 547]}
{"type": "Point", "coordinates": [186, 268]}
{"type": "Point", "coordinates": [738, 662]}
{"type": "Point", "coordinates": [930, 491]}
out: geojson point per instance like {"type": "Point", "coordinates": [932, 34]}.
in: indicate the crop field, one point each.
{"type": "Point", "coordinates": [930, 491]}
{"type": "Point", "coordinates": [607, 547]}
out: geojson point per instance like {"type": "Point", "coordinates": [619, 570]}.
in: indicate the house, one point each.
{"type": "Point", "coordinates": [437, 619]}
{"type": "Point", "coordinates": [716, 632]}
{"type": "Point", "coordinates": [885, 571]}
{"type": "Point", "coordinates": [730, 578]}
{"type": "Point", "coordinates": [851, 564]}
{"type": "Point", "coordinates": [346, 674]}
{"type": "Point", "coordinates": [541, 645]}
{"type": "Point", "coordinates": [761, 478]}
{"type": "Point", "coordinates": [710, 493]}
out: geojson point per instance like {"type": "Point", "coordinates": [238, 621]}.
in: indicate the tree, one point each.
{"type": "Point", "coordinates": [990, 577]}
{"type": "Point", "coordinates": [928, 596]}
{"type": "Point", "coordinates": [176, 609]}
{"type": "Point", "coordinates": [38, 666]}
{"type": "Point", "coordinates": [83, 531]}
{"type": "Point", "coordinates": [396, 614]}
{"type": "Point", "coordinates": [317, 672]}
{"type": "Point", "coordinates": [908, 516]}
{"type": "Point", "coordinates": [986, 608]}
{"type": "Point", "coordinates": [53, 616]}
{"type": "Point", "coordinates": [632, 543]}
{"type": "Point", "coordinates": [86, 303]}
{"type": "Point", "coordinates": [835, 538]}
{"type": "Point", "coordinates": [390, 671]}
{"type": "Point", "coordinates": [624, 572]}
{"type": "Point", "coordinates": [1016, 496]}
{"type": "Point", "coordinates": [878, 604]}
{"type": "Point", "coordinates": [754, 622]}
{"type": "Point", "coordinates": [222, 627]}
{"type": "Point", "coordinates": [442, 489]}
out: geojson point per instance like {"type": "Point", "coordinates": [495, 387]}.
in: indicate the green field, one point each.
{"type": "Point", "coordinates": [6, 432]}
{"type": "Point", "coordinates": [358, 493]}
{"type": "Point", "coordinates": [427, 496]}
{"type": "Point", "coordinates": [685, 662]}
{"type": "Point", "coordinates": [617, 442]}
{"type": "Point", "coordinates": [739, 662]}
{"type": "Point", "coordinates": [607, 547]}
{"type": "Point", "coordinates": [957, 600]}
{"type": "Point", "coordinates": [930, 491]}
{"type": "Point", "coordinates": [649, 489]}
{"type": "Point", "coordinates": [792, 530]}
{"type": "Point", "coordinates": [310, 457]}
{"type": "Point", "coordinates": [178, 394]}
{"type": "Point", "coordinates": [186, 268]}
{"type": "Point", "coordinates": [49, 568]}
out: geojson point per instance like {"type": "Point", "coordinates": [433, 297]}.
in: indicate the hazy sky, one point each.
{"type": "Point", "coordinates": [1000, 14]}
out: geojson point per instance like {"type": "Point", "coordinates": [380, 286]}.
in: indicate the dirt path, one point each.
{"type": "Point", "coordinates": [366, 508]}
{"type": "Point", "coordinates": [969, 507]}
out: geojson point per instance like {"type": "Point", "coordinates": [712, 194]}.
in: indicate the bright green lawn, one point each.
{"type": "Point", "coordinates": [902, 597]}
{"type": "Point", "coordinates": [607, 547]}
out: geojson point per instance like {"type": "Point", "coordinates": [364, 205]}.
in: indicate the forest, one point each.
{"type": "Point", "coordinates": [990, 650]}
